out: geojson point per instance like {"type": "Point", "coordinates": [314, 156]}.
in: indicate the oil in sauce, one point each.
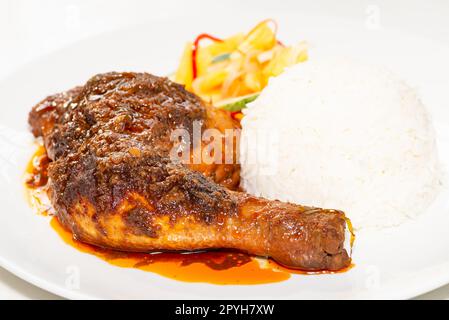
{"type": "Point", "coordinates": [36, 179]}
{"type": "Point", "coordinates": [217, 267]}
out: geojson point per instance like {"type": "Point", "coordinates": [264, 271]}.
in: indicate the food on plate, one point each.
{"type": "Point", "coordinates": [346, 135]}
{"type": "Point", "coordinates": [236, 104]}
{"type": "Point", "coordinates": [220, 69]}
{"type": "Point", "coordinates": [114, 183]}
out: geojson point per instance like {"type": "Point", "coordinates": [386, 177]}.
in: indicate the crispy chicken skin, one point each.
{"type": "Point", "coordinates": [114, 185]}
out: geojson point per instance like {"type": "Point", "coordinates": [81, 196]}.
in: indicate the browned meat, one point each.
{"type": "Point", "coordinates": [113, 184]}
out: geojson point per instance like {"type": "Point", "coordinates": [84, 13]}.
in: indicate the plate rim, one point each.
{"type": "Point", "coordinates": [430, 284]}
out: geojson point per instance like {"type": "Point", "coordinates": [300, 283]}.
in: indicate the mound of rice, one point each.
{"type": "Point", "coordinates": [338, 134]}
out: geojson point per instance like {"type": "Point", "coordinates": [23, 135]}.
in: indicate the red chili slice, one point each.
{"type": "Point", "coordinates": [195, 50]}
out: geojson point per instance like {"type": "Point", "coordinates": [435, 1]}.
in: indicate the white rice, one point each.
{"type": "Point", "coordinates": [339, 134]}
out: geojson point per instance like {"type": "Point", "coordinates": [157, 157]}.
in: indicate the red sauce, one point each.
{"type": "Point", "coordinates": [217, 267]}
{"type": "Point", "coordinates": [37, 175]}
{"type": "Point", "coordinates": [36, 182]}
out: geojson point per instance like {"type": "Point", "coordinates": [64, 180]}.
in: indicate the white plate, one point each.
{"type": "Point", "coordinates": [399, 262]}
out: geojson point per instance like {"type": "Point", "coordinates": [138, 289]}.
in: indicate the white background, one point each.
{"type": "Point", "coordinates": [29, 29]}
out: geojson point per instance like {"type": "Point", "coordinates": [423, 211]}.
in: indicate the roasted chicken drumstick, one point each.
{"type": "Point", "coordinates": [114, 185]}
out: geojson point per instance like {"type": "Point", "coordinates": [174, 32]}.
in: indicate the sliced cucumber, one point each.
{"type": "Point", "coordinates": [221, 57]}
{"type": "Point", "coordinates": [236, 104]}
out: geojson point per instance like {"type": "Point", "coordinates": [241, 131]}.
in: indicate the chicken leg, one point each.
{"type": "Point", "coordinates": [113, 183]}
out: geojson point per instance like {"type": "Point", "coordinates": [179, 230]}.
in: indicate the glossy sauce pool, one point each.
{"type": "Point", "coordinates": [217, 267]}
